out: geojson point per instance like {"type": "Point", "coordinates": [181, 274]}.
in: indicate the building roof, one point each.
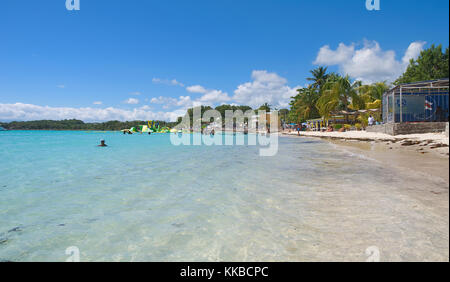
{"type": "Point", "coordinates": [437, 83]}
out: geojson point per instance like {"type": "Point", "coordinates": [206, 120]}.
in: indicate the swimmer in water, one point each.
{"type": "Point", "coordinates": [102, 144]}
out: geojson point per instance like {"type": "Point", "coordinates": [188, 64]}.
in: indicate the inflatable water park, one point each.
{"type": "Point", "coordinates": [151, 127]}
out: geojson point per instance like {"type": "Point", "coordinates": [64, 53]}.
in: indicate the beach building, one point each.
{"type": "Point", "coordinates": [419, 107]}
{"type": "Point", "coordinates": [258, 121]}
{"type": "Point", "coordinates": [425, 101]}
{"type": "Point", "coordinates": [317, 124]}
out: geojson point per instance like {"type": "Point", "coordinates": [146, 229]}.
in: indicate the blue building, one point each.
{"type": "Point", "coordinates": [425, 101]}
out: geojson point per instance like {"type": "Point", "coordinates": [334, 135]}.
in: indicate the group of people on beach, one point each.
{"type": "Point", "coordinates": [328, 128]}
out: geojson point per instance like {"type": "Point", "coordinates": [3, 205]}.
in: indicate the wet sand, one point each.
{"type": "Point", "coordinates": [406, 221]}
{"type": "Point", "coordinates": [418, 159]}
{"type": "Point", "coordinates": [426, 154]}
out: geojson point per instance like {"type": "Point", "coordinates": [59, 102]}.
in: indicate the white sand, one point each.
{"type": "Point", "coordinates": [437, 138]}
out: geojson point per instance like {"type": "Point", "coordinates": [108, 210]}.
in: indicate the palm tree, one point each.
{"type": "Point", "coordinates": [339, 95]}
{"type": "Point", "coordinates": [319, 78]}
{"type": "Point", "coordinates": [379, 89]}
{"type": "Point", "coordinates": [265, 107]}
{"type": "Point", "coordinates": [333, 77]}
{"type": "Point", "coordinates": [304, 104]}
{"type": "Point", "coordinates": [373, 92]}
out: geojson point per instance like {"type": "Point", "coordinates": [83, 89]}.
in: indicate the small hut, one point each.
{"type": "Point", "coordinates": [420, 107]}
{"type": "Point", "coordinates": [425, 101]}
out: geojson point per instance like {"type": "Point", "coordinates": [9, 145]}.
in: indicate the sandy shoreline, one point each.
{"type": "Point", "coordinates": [425, 198]}
{"type": "Point", "coordinates": [422, 153]}
{"type": "Point", "coordinates": [437, 138]}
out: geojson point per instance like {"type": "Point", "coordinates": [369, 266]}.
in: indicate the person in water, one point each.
{"type": "Point", "coordinates": [102, 144]}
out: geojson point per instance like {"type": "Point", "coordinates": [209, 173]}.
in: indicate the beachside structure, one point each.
{"type": "Point", "coordinates": [425, 101]}
{"type": "Point", "coordinates": [261, 122]}
{"type": "Point", "coordinates": [419, 107]}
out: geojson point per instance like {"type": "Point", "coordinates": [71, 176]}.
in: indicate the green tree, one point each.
{"type": "Point", "coordinates": [373, 92]}
{"type": "Point", "coordinates": [77, 125]}
{"type": "Point", "coordinates": [284, 115]}
{"type": "Point", "coordinates": [339, 95]}
{"type": "Point", "coordinates": [190, 113]}
{"type": "Point", "coordinates": [333, 77]}
{"type": "Point", "coordinates": [265, 107]}
{"type": "Point", "coordinates": [223, 108]}
{"type": "Point", "coordinates": [319, 77]}
{"type": "Point", "coordinates": [431, 64]}
{"type": "Point", "coordinates": [303, 106]}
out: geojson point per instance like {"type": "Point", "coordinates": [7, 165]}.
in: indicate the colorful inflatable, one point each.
{"type": "Point", "coordinates": [151, 127]}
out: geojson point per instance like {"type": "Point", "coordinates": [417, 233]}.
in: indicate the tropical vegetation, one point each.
{"type": "Point", "coordinates": [74, 124]}
{"type": "Point", "coordinates": [332, 93]}
{"type": "Point", "coordinates": [327, 94]}
{"type": "Point", "coordinates": [431, 64]}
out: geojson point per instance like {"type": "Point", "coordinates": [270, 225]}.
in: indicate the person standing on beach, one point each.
{"type": "Point", "coordinates": [371, 120]}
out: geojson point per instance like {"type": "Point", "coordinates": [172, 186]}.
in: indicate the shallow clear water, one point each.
{"type": "Point", "coordinates": [143, 199]}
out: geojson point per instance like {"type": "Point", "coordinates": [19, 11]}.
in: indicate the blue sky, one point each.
{"type": "Point", "coordinates": [153, 59]}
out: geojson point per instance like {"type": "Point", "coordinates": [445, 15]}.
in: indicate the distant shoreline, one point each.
{"type": "Point", "coordinates": [81, 130]}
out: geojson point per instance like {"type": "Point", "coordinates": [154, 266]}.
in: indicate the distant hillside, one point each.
{"type": "Point", "coordinates": [74, 124]}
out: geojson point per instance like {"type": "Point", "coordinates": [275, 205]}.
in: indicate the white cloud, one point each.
{"type": "Point", "coordinates": [413, 51]}
{"type": "Point", "coordinates": [61, 86]}
{"type": "Point", "coordinates": [166, 102]}
{"type": "Point", "coordinates": [132, 101]}
{"type": "Point", "coordinates": [266, 87]}
{"type": "Point", "coordinates": [182, 103]}
{"type": "Point", "coordinates": [137, 93]}
{"type": "Point", "coordinates": [186, 102]}
{"type": "Point", "coordinates": [172, 82]}
{"type": "Point", "coordinates": [196, 89]}
{"type": "Point", "coordinates": [212, 97]}
{"type": "Point", "coordinates": [25, 112]}
{"type": "Point", "coordinates": [156, 100]}
{"type": "Point", "coordinates": [342, 54]}
{"type": "Point", "coordinates": [175, 82]}
{"type": "Point", "coordinates": [369, 63]}
{"type": "Point", "coordinates": [170, 102]}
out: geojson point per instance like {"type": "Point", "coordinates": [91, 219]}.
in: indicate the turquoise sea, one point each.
{"type": "Point", "coordinates": [143, 199]}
